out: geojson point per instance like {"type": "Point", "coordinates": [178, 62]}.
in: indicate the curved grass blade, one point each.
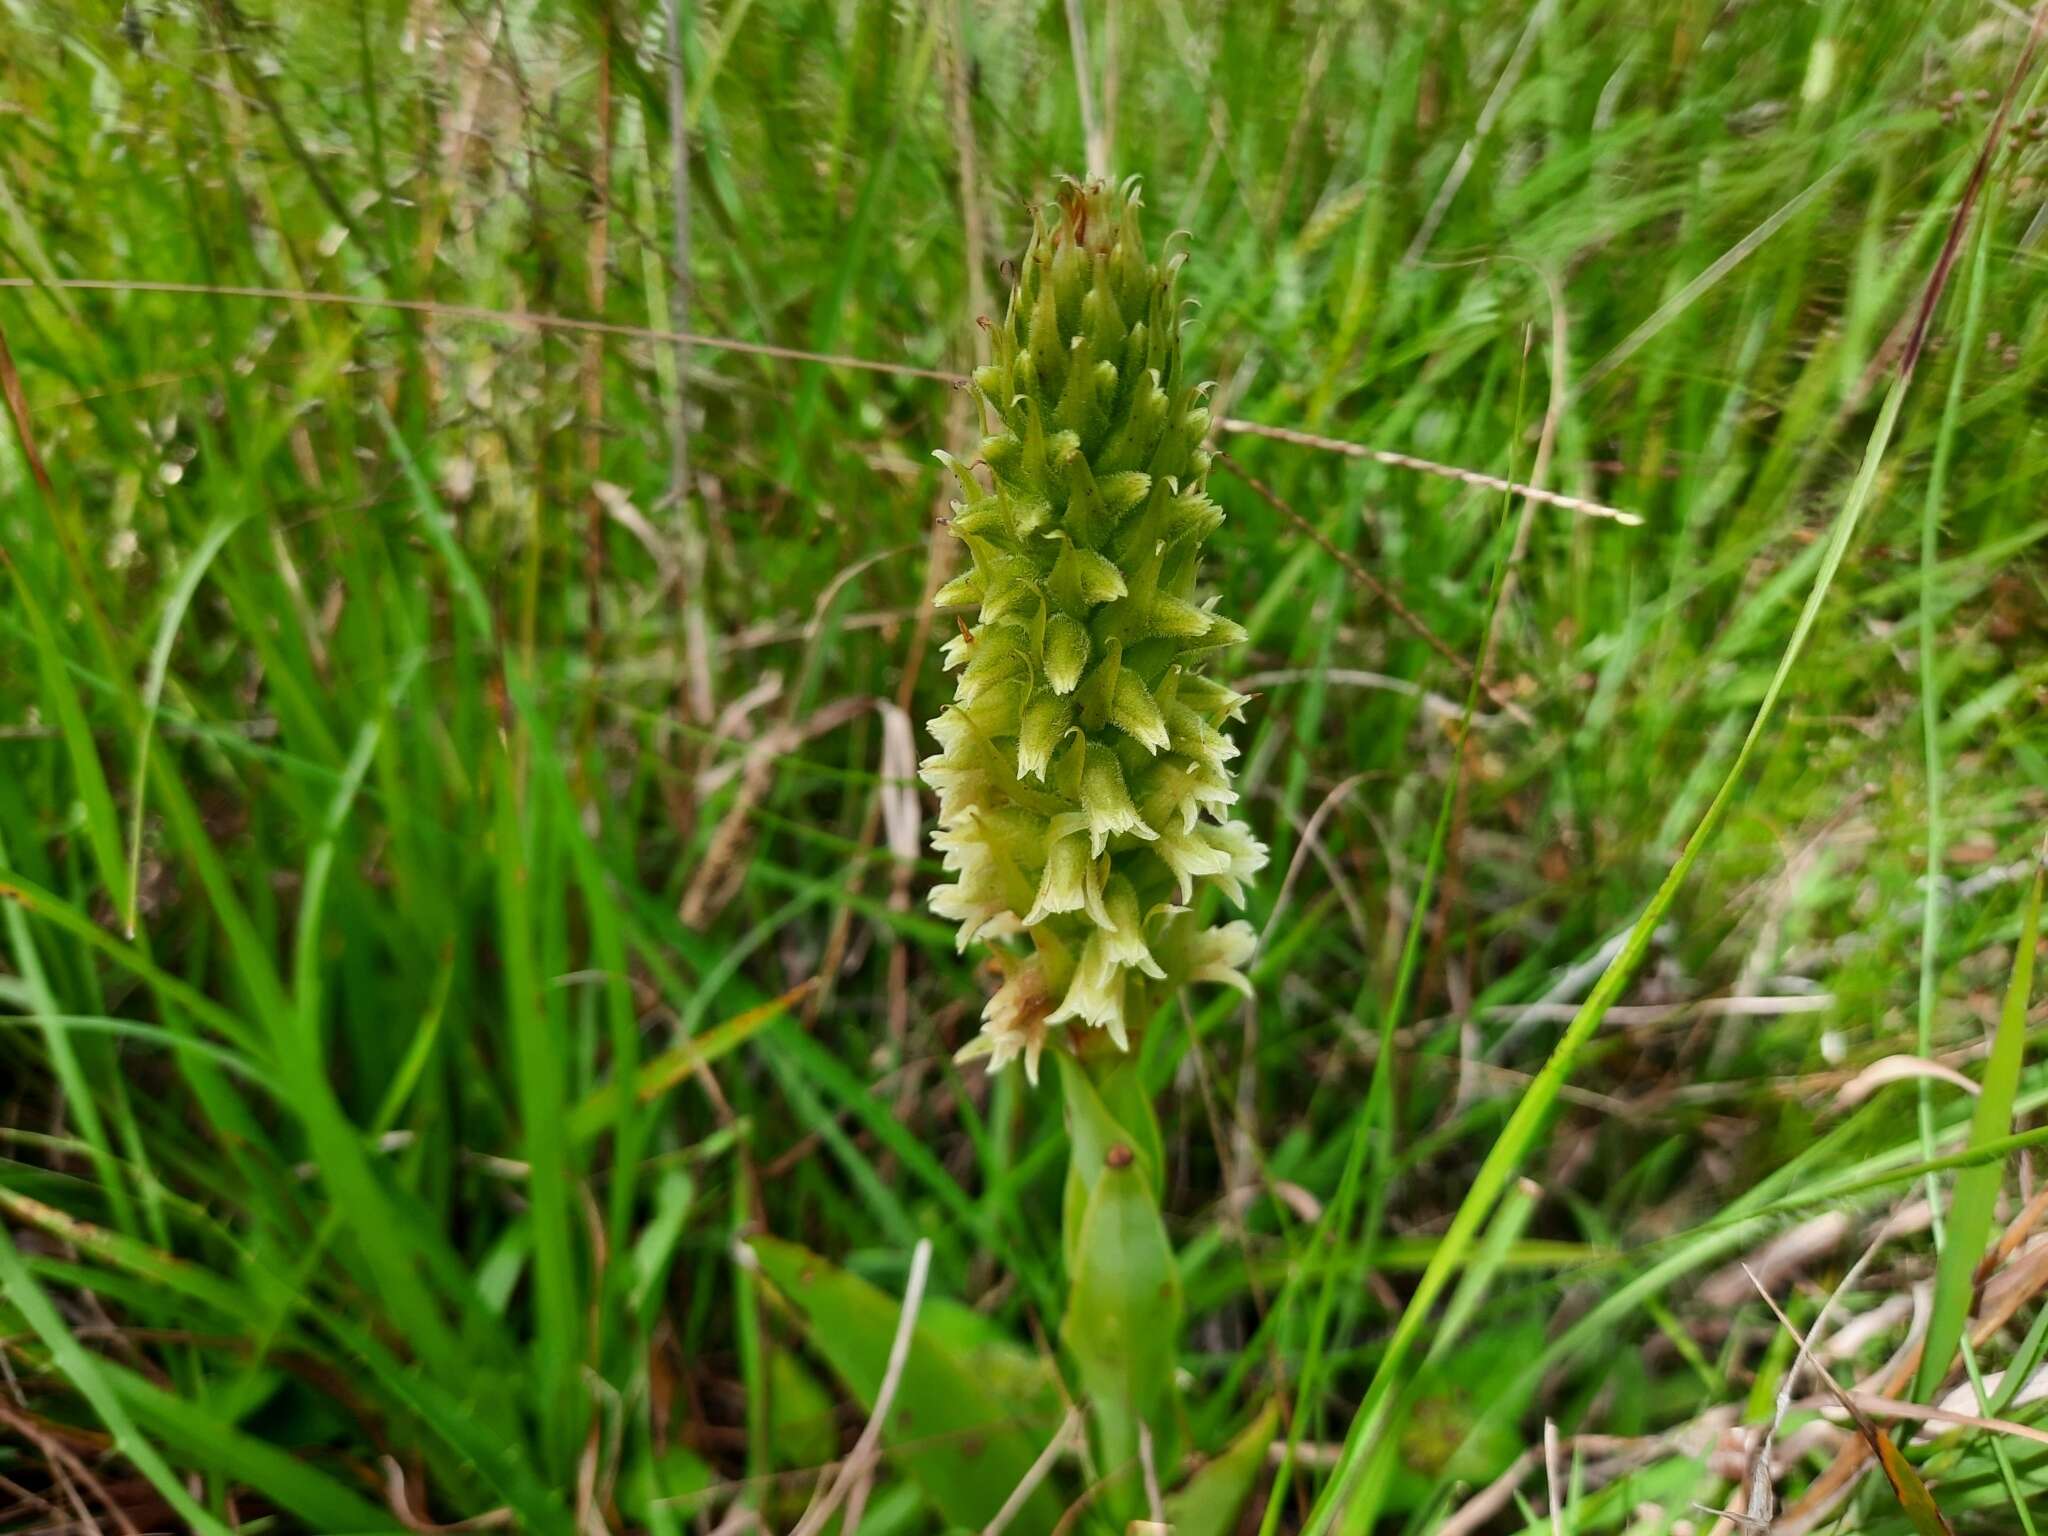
{"type": "Point", "coordinates": [180, 599]}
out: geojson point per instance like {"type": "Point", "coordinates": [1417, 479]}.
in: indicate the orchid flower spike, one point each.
{"type": "Point", "coordinates": [1083, 775]}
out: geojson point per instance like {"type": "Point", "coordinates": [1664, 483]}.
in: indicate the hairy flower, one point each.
{"type": "Point", "coordinates": [1014, 1024]}
{"type": "Point", "coordinates": [1083, 773]}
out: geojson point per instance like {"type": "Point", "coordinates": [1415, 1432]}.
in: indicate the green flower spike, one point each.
{"type": "Point", "coordinates": [1083, 774]}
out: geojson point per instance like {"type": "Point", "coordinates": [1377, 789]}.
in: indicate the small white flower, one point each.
{"type": "Point", "coordinates": [1245, 854]}
{"type": "Point", "coordinates": [1105, 804]}
{"type": "Point", "coordinates": [1084, 787]}
{"type": "Point", "coordinates": [973, 901]}
{"type": "Point", "coordinates": [1096, 994]}
{"type": "Point", "coordinates": [1014, 1024]}
{"type": "Point", "coordinates": [955, 731]}
{"type": "Point", "coordinates": [1218, 955]}
{"type": "Point", "coordinates": [998, 657]}
{"type": "Point", "coordinates": [1071, 883]}
{"type": "Point", "coordinates": [1047, 720]}
{"type": "Point", "coordinates": [1190, 854]}
{"type": "Point", "coordinates": [1182, 789]}
{"type": "Point", "coordinates": [1194, 737]}
{"type": "Point", "coordinates": [1124, 941]}
{"type": "Point", "coordinates": [980, 893]}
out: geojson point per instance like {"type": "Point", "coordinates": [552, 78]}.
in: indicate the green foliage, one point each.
{"type": "Point", "coordinates": [970, 1413]}
{"type": "Point", "coordinates": [411, 998]}
{"type": "Point", "coordinates": [1210, 1503]}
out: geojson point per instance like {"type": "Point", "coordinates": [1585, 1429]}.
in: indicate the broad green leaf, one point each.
{"type": "Point", "coordinates": [1100, 1116]}
{"type": "Point", "coordinates": [968, 1445]}
{"type": "Point", "coordinates": [1123, 1313]}
{"type": "Point", "coordinates": [1124, 1095]}
{"type": "Point", "coordinates": [1213, 1498]}
{"type": "Point", "coordinates": [801, 1424]}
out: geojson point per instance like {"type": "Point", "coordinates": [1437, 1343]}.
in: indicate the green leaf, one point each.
{"type": "Point", "coordinates": [1105, 1114]}
{"type": "Point", "coordinates": [1907, 1488]}
{"type": "Point", "coordinates": [1124, 1301]}
{"type": "Point", "coordinates": [439, 531]}
{"type": "Point", "coordinates": [967, 1445]}
{"type": "Point", "coordinates": [505, 1466]}
{"type": "Point", "coordinates": [672, 1477]}
{"type": "Point", "coordinates": [801, 1427]}
{"type": "Point", "coordinates": [1092, 1129]}
{"type": "Point", "coordinates": [102, 822]}
{"type": "Point", "coordinates": [1973, 1208]}
{"type": "Point", "coordinates": [173, 1276]}
{"type": "Point", "coordinates": [654, 1251]}
{"type": "Point", "coordinates": [1210, 1503]}
{"type": "Point", "coordinates": [1123, 1313]}
{"type": "Point", "coordinates": [52, 908]}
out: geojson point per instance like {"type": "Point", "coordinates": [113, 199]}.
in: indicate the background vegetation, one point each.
{"type": "Point", "coordinates": [459, 891]}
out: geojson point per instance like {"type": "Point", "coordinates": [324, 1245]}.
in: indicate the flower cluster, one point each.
{"type": "Point", "coordinates": [1083, 780]}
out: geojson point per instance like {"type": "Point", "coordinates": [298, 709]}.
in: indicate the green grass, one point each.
{"type": "Point", "coordinates": [359, 841]}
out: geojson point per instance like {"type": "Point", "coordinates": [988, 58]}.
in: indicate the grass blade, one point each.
{"type": "Point", "coordinates": [1973, 1206]}
{"type": "Point", "coordinates": [539, 1058]}
{"type": "Point", "coordinates": [181, 595]}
